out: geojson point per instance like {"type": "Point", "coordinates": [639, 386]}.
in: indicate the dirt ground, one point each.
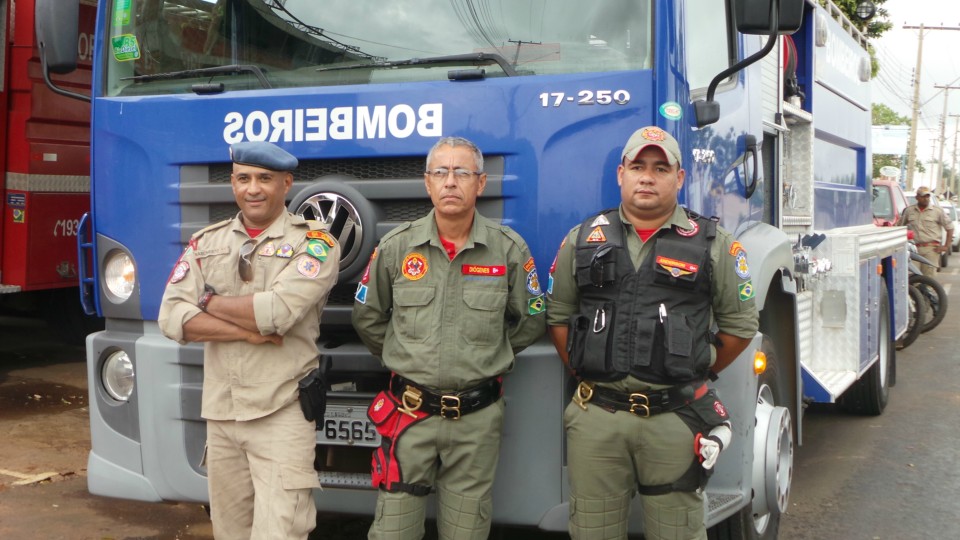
{"type": "Point", "coordinates": [44, 441]}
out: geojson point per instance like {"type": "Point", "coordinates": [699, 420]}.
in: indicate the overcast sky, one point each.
{"type": "Point", "coordinates": [897, 54]}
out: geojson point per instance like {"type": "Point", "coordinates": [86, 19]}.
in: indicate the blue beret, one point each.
{"type": "Point", "coordinates": [264, 155]}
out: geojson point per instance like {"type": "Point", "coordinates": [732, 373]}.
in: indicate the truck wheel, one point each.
{"type": "Point", "coordinates": [917, 312]}
{"type": "Point", "coordinates": [935, 297]}
{"type": "Point", "coordinates": [773, 461]}
{"type": "Point", "coordinates": [870, 394]}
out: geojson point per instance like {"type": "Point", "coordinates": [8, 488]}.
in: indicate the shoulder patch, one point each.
{"type": "Point", "coordinates": [179, 272]}
{"type": "Point", "coordinates": [317, 250]}
{"type": "Point", "coordinates": [322, 235]}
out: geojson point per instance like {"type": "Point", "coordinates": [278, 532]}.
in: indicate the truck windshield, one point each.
{"type": "Point", "coordinates": [168, 46]}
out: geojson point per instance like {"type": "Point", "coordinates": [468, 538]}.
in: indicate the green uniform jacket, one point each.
{"type": "Point", "coordinates": [290, 287]}
{"type": "Point", "coordinates": [445, 324]}
{"type": "Point", "coordinates": [733, 306]}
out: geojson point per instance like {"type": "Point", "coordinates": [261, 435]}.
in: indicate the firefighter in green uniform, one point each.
{"type": "Point", "coordinates": [446, 302]}
{"type": "Point", "coordinates": [252, 289]}
{"type": "Point", "coordinates": [632, 297]}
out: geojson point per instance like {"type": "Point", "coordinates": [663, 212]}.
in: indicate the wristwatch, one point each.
{"type": "Point", "coordinates": [208, 293]}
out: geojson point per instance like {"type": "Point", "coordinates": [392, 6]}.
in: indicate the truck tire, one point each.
{"type": "Point", "coordinates": [935, 297]}
{"type": "Point", "coordinates": [916, 312]}
{"type": "Point", "coordinates": [869, 395]}
{"type": "Point", "coordinates": [748, 524]}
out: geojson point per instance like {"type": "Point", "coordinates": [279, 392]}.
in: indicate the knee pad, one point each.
{"type": "Point", "coordinates": [463, 518]}
{"type": "Point", "coordinates": [599, 519]}
{"type": "Point", "coordinates": [676, 516]}
{"type": "Point", "coordinates": [399, 516]}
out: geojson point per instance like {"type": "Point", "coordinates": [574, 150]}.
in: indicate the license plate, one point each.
{"type": "Point", "coordinates": [347, 425]}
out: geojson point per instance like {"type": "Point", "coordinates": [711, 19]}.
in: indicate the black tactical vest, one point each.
{"type": "Point", "coordinates": [652, 323]}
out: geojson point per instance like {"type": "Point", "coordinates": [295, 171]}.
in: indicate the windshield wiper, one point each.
{"type": "Point", "coordinates": [216, 70]}
{"type": "Point", "coordinates": [451, 59]}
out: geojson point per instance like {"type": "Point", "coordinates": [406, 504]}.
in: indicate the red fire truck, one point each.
{"type": "Point", "coordinates": [45, 139]}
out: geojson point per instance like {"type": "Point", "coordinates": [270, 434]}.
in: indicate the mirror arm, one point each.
{"type": "Point", "coordinates": [51, 85]}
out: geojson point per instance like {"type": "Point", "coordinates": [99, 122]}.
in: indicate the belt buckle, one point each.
{"type": "Point", "coordinates": [410, 401]}
{"type": "Point", "coordinates": [449, 403]}
{"type": "Point", "coordinates": [583, 395]}
{"type": "Point", "coordinates": [639, 409]}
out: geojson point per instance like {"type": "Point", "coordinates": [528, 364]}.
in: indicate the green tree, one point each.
{"type": "Point", "coordinates": [873, 28]}
{"type": "Point", "coordinates": [882, 115]}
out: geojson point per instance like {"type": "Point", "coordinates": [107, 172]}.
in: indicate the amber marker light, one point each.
{"type": "Point", "coordinates": [759, 362]}
{"type": "Point", "coordinates": [879, 269]}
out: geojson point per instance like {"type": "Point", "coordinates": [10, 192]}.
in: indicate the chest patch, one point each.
{"type": "Point", "coordinates": [692, 231]}
{"type": "Point", "coordinates": [480, 270]}
{"type": "Point", "coordinates": [597, 236]}
{"type": "Point", "coordinates": [677, 268]}
{"type": "Point", "coordinates": [414, 266]}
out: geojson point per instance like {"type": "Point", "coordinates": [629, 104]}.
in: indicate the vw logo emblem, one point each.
{"type": "Point", "coordinates": [340, 218]}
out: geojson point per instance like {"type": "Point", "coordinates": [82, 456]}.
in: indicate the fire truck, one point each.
{"type": "Point", "coordinates": [46, 163]}
{"type": "Point", "coordinates": [769, 101]}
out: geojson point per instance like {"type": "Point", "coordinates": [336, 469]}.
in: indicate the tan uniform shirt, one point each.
{"type": "Point", "coordinates": [289, 286]}
{"type": "Point", "coordinates": [926, 224]}
{"type": "Point", "coordinates": [733, 305]}
{"type": "Point", "coordinates": [447, 324]}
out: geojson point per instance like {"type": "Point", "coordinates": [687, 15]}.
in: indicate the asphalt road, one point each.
{"type": "Point", "coordinates": [896, 475]}
{"type": "Point", "coordinates": [892, 476]}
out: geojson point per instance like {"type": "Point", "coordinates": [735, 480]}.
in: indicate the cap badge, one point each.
{"type": "Point", "coordinates": [653, 134]}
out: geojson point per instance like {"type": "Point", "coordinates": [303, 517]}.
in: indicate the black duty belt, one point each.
{"type": "Point", "coordinates": [643, 404]}
{"type": "Point", "coordinates": [451, 406]}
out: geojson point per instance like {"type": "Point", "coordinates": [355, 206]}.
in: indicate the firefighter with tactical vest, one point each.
{"type": "Point", "coordinates": [446, 302]}
{"type": "Point", "coordinates": [645, 303]}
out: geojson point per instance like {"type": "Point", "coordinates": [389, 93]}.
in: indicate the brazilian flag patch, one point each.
{"type": "Point", "coordinates": [317, 250]}
{"type": "Point", "coordinates": [746, 290]}
{"type": "Point", "coordinates": [536, 305]}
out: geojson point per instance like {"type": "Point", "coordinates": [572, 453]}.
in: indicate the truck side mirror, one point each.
{"type": "Point", "coordinates": [764, 17]}
{"type": "Point", "coordinates": [753, 16]}
{"type": "Point", "coordinates": [56, 24]}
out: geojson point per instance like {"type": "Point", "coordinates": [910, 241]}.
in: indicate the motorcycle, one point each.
{"type": "Point", "coordinates": [931, 292]}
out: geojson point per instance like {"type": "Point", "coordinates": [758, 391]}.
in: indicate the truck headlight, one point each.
{"type": "Point", "coordinates": [118, 376]}
{"type": "Point", "coordinates": [119, 275]}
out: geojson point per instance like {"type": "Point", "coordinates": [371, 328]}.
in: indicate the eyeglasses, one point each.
{"type": "Point", "coordinates": [244, 264]}
{"type": "Point", "coordinates": [459, 174]}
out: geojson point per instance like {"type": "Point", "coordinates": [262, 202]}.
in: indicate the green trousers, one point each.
{"type": "Point", "coordinates": [609, 454]}
{"type": "Point", "coordinates": [459, 459]}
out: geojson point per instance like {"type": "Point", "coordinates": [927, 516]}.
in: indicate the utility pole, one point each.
{"type": "Point", "coordinates": [912, 145]}
{"type": "Point", "coordinates": [912, 148]}
{"type": "Point", "coordinates": [943, 129]}
{"type": "Point", "coordinates": [953, 164]}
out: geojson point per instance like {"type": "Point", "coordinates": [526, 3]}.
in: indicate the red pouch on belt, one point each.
{"type": "Point", "coordinates": [390, 422]}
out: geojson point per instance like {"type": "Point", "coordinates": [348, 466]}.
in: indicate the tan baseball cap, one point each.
{"type": "Point", "coordinates": [923, 190]}
{"type": "Point", "coordinates": [652, 136]}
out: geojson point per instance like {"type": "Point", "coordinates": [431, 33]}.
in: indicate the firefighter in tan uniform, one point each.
{"type": "Point", "coordinates": [446, 302]}
{"type": "Point", "coordinates": [928, 222]}
{"type": "Point", "coordinates": [631, 298]}
{"type": "Point", "coordinates": [252, 289]}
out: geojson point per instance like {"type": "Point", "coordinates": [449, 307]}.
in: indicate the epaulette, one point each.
{"type": "Point", "coordinates": [209, 228]}
{"type": "Point", "coordinates": [513, 235]}
{"type": "Point", "coordinates": [396, 230]}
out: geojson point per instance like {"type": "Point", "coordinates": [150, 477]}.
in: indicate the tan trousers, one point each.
{"type": "Point", "coordinates": [608, 454]}
{"type": "Point", "coordinates": [458, 458]}
{"type": "Point", "coordinates": [929, 253]}
{"type": "Point", "coordinates": [260, 475]}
